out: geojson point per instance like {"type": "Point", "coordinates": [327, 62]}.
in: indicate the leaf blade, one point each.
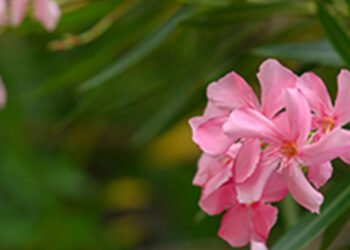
{"type": "Point", "coordinates": [337, 33]}
{"type": "Point", "coordinates": [139, 52]}
{"type": "Point", "coordinates": [320, 52]}
{"type": "Point", "coordinates": [312, 225]}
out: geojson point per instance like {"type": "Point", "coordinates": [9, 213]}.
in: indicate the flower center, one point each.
{"type": "Point", "coordinates": [289, 149]}
{"type": "Point", "coordinates": [327, 124]}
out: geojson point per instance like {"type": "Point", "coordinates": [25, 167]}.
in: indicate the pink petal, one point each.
{"type": "Point", "coordinates": [219, 200]}
{"type": "Point", "coordinates": [274, 78]}
{"type": "Point", "coordinates": [346, 157]}
{"type": "Point", "coordinates": [299, 116]}
{"type": "Point", "coordinates": [212, 111]}
{"type": "Point", "coordinates": [256, 245]}
{"type": "Point", "coordinates": [232, 91]}
{"type": "Point", "coordinates": [316, 94]}
{"type": "Point", "coordinates": [275, 189]}
{"type": "Point", "coordinates": [209, 135]}
{"type": "Point", "coordinates": [342, 103]}
{"type": "Point", "coordinates": [3, 12]}
{"type": "Point", "coordinates": [301, 189]}
{"type": "Point", "coordinates": [220, 177]}
{"type": "Point", "coordinates": [251, 123]}
{"type": "Point", "coordinates": [264, 217]}
{"type": "Point", "coordinates": [233, 150]}
{"type": "Point", "coordinates": [252, 189]}
{"type": "Point", "coordinates": [18, 8]}
{"type": "Point", "coordinates": [207, 166]}
{"type": "Point", "coordinates": [320, 174]}
{"type": "Point", "coordinates": [247, 159]}
{"type": "Point", "coordinates": [327, 148]}
{"type": "Point", "coordinates": [47, 12]}
{"type": "Point", "coordinates": [3, 94]}
{"type": "Point", "coordinates": [235, 226]}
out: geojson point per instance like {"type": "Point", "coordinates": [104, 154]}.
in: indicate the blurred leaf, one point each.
{"type": "Point", "coordinates": [320, 52]}
{"type": "Point", "coordinates": [138, 53]}
{"type": "Point", "coordinates": [213, 16]}
{"type": "Point", "coordinates": [215, 3]}
{"type": "Point", "coordinates": [337, 201]}
{"type": "Point", "coordinates": [336, 31]}
{"type": "Point", "coordinates": [103, 50]}
{"type": "Point", "coordinates": [333, 231]}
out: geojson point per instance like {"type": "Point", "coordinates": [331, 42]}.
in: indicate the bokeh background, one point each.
{"type": "Point", "coordinates": [95, 149]}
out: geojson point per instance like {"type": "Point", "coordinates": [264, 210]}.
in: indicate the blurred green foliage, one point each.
{"type": "Point", "coordinates": [96, 151]}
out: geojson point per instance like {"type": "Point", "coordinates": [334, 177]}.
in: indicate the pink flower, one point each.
{"type": "Point", "coordinates": [289, 148]}
{"type": "Point", "coordinates": [326, 116]}
{"type": "Point", "coordinates": [232, 92]}
{"type": "Point", "coordinates": [255, 153]}
{"type": "Point", "coordinates": [251, 223]}
{"type": "Point", "coordinates": [3, 12]}
{"type": "Point", "coordinates": [47, 12]}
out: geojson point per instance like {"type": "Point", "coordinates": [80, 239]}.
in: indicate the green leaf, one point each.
{"type": "Point", "coordinates": [333, 231]}
{"type": "Point", "coordinates": [320, 52]}
{"type": "Point", "coordinates": [139, 52]}
{"type": "Point", "coordinates": [337, 201]}
{"type": "Point", "coordinates": [336, 31]}
{"type": "Point", "coordinates": [238, 12]}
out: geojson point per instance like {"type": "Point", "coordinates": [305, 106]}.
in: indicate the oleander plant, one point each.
{"type": "Point", "coordinates": [175, 124]}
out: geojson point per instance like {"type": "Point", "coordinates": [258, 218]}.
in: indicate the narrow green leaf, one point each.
{"type": "Point", "coordinates": [337, 202]}
{"type": "Point", "coordinates": [320, 52]}
{"type": "Point", "coordinates": [336, 31]}
{"type": "Point", "coordinates": [333, 231]}
{"type": "Point", "coordinates": [223, 15]}
{"type": "Point", "coordinates": [139, 52]}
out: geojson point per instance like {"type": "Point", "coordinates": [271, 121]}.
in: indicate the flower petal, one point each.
{"type": "Point", "coordinates": [299, 116]}
{"type": "Point", "coordinates": [209, 135]}
{"type": "Point", "coordinates": [346, 157]}
{"type": "Point", "coordinates": [220, 177]}
{"type": "Point", "coordinates": [247, 159]}
{"type": "Point", "coordinates": [301, 189]}
{"type": "Point", "coordinates": [252, 189]}
{"type": "Point", "coordinates": [18, 8]}
{"type": "Point", "coordinates": [264, 217]}
{"type": "Point", "coordinates": [256, 245]}
{"type": "Point", "coordinates": [342, 103]}
{"type": "Point", "coordinates": [3, 94]}
{"type": "Point", "coordinates": [275, 189]}
{"type": "Point", "coordinates": [3, 12]}
{"type": "Point", "coordinates": [315, 91]}
{"type": "Point", "coordinates": [274, 78]}
{"type": "Point", "coordinates": [207, 166]}
{"type": "Point", "coordinates": [235, 226]}
{"type": "Point", "coordinates": [320, 174]}
{"type": "Point", "coordinates": [232, 91]}
{"type": "Point", "coordinates": [47, 12]}
{"type": "Point", "coordinates": [212, 111]}
{"type": "Point", "coordinates": [327, 148]}
{"type": "Point", "coordinates": [251, 123]}
{"type": "Point", "coordinates": [219, 200]}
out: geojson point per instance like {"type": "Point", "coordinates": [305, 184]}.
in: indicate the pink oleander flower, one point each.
{"type": "Point", "coordinates": [254, 154]}
{"type": "Point", "coordinates": [251, 223]}
{"type": "Point", "coordinates": [232, 92]}
{"type": "Point", "coordinates": [289, 148]}
{"type": "Point", "coordinates": [47, 12]}
{"type": "Point", "coordinates": [327, 117]}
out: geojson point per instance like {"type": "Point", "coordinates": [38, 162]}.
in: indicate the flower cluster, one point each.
{"type": "Point", "coordinates": [46, 12]}
{"type": "Point", "coordinates": [255, 152]}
